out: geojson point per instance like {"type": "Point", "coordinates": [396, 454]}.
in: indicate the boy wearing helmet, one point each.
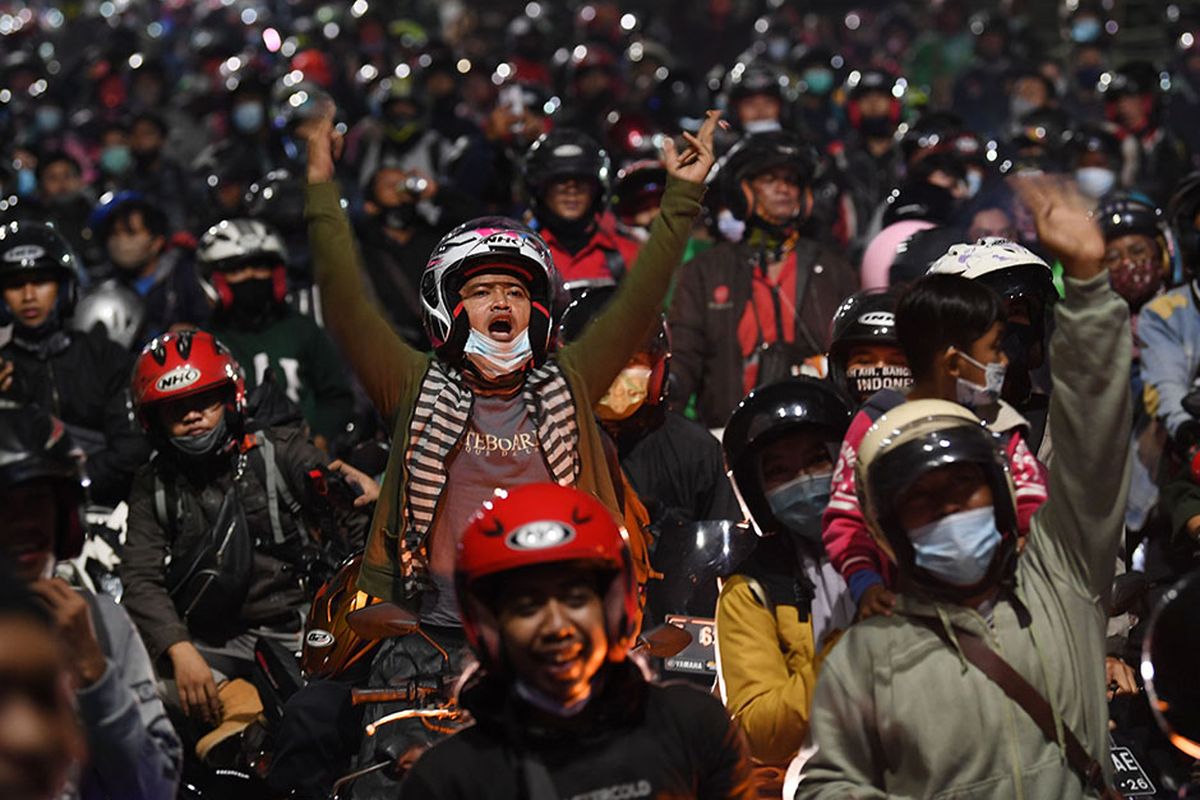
{"type": "Point", "coordinates": [242, 265]}
{"type": "Point", "coordinates": [229, 514]}
{"type": "Point", "coordinates": [78, 377]}
{"type": "Point", "coordinates": [864, 354]}
{"type": "Point", "coordinates": [549, 604]}
{"type": "Point", "coordinates": [785, 603]}
{"type": "Point", "coordinates": [939, 500]}
{"type": "Point", "coordinates": [134, 750]}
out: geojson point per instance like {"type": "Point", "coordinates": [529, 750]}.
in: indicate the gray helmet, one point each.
{"type": "Point", "coordinates": [116, 309]}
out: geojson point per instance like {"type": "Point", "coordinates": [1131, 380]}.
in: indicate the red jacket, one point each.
{"type": "Point", "coordinates": [607, 255]}
{"type": "Point", "coordinates": [851, 549]}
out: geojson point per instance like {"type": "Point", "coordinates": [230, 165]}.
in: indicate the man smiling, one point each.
{"type": "Point", "coordinates": [549, 605]}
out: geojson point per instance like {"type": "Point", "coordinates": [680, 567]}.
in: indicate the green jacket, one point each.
{"type": "Point", "coordinates": [392, 372]}
{"type": "Point", "coordinates": [899, 713]}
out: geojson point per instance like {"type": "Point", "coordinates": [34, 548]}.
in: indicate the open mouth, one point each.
{"type": "Point", "coordinates": [502, 325]}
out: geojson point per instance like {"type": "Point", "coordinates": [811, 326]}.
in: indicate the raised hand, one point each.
{"type": "Point", "coordinates": [695, 162]}
{"type": "Point", "coordinates": [1064, 224]}
{"type": "Point", "coordinates": [324, 143]}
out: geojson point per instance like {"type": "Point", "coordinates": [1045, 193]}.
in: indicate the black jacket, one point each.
{"type": "Point", "coordinates": [276, 593]}
{"type": "Point", "coordinates": [83, 379]}
{"type": "Point", "coordinates": [634, 739]}
{"type": "Point", "coordinates": [713, 291]}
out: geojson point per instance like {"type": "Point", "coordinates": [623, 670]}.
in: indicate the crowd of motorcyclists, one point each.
{"type": "Point", "coordinates": [595, 399]}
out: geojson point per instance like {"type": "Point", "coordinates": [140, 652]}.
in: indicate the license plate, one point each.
{"type": "Point", "coordinates": [699, 657]}
{"type": "Point", "coordinates": [1128, 776]}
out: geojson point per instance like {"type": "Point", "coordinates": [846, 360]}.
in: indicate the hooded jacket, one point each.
{"type": "Point", "coordinates": [898, 712]}
{"type": "Point", "coordinates": [392, 373]}
{"type": "Point", "coordinates": [633, 739]}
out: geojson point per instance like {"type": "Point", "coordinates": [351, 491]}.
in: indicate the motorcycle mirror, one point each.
{"type": "Point", "coordinates": [1170, 656]}
{"type": "Point", "coordinates": [382, 621]}
{"type": "Point", "coordinates": [664, 641]}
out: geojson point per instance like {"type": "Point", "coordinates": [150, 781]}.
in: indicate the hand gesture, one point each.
{"type": "Point", "coordinates": [324, 142]}
{"type": "Point", "coordinates": [876, 600]}
{"type": "Point", "coordinates": [1063, 222]}
{"type": "Point", "coordinates": [694, 163]}
{"type": "Point", "coordinates": [73, 618]}
{"type": "Point", "coordinates": [367, 484]}
{"type": "Point", "coordinates": [1121, 679]}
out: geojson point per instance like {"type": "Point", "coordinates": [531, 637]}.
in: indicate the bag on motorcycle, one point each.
{"type": "Point", "coordinates": [210, 580]}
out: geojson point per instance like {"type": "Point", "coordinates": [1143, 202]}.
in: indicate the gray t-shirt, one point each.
{"type": "Point", "coordinates": [499, 449]}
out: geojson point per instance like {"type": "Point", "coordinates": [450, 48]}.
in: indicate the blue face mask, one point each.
{"type": "Point", "coordinates": [958, 548]}
{"type": "Point", "coordinates": [818, 81]}
{"type": "Point", "coordinates": [249, 117]}
{"type": "Point", "coordinates": [116, 159]}
{"type": "Point", "coordinates": [1086, 29]}
{"type": "Point", "coordinates": [799, 504]}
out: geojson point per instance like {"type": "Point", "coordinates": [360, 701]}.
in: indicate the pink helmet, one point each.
{"type": "Point", "coordinates": [881, 252]}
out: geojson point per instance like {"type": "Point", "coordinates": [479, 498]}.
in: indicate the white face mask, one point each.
{"type": "Point", "coordinates": [1095, 182]}
{"type": "Point", "coordinates": [972, 395]}
{"type": "Point", "coordinates": [730, 226]}
{"type": "Point", "coordinates": [762, 126]}
{"type": "Point", "coordinates": [497, 359]}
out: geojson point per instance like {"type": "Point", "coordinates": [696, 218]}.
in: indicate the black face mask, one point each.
{"type": "Point", "coordinates": [253, 301]}
{"type": "Point", "coordinates": [1018, 341]}
{"type": "Point", "coordinates": [399, 218]}
{"type": "Point", "coordinates": [877, 127]}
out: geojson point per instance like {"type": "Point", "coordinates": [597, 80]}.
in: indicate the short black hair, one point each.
{"type": "Point", "coordinates": [153, 217]}
{"type": "Point", "coordinates": [940, 311]}
{"type": "Point", "coordinates": [56, 157]}
{"type": "Point", "coordinates": [157, 120]}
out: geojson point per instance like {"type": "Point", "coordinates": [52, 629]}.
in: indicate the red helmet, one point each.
{"type": "Point", "coordinates": [177, 365]}
{"type": "Point", "coordinates": [544, 523]}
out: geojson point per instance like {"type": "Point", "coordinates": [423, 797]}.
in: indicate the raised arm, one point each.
{"type": "Point", "coordinates": [1090, 407]}
{"type": "Point", "coordinates": [606, 345]}
{"type": "Point", "coordinates": [383, 362]}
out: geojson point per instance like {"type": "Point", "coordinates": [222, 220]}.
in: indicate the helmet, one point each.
{"type": "Point", "coordinates": [1133, 78]}
{"type": "Point", "coordinates": [562, 153]}
{"type": "Point", "coordinates": [1009, 269]}
{"type": "Point", "coordinates": [766, 414]}
{"type": "Point", "coordinates": [631, 136]}
{"type": "Point", "coordinates": [492, 243]}
{"type": "Point", "coordinates": [278, 200]}
{"type": "Point", "coordinates": [177, 365]}
{"type": "Point", "coordinates": [1048, 129]}
{"type": "Point", "coordinates": [756, 78]}
{"type": "Point", "coordinates": [331, 647]}
{"type": "Point", "coordinates": [38, 248]}
{"type": "Point", "coordinates": [35, 446]}
{"type": "Point", "coordinates": [1127, 212]}
{"type": "Point", "coordinates": [917, 252]}
{"type": "Point", "coordinates": [656, 347]}
{"type": "Point", "coordinates": [118, 310]}
{"type": "Point", "coordinates": [934, 131]}
{"type": "Point", "coordinates": [910, 440]}
{"type": "Point", "coordinates": [1096, 138]}
{"type": "Point", "coordinates": [542, 523]}
{"type": "Point", "coordinates": [919, 200]}
{"type": "Point", "coordinates": [867, 317]}
{"type": "Point", "coordinates": [756, 153]}
{"type": "Point", "coordinates": [640, 186]}
{"type": "Point", "coordinates": [878, 81]}
{"type": "Point", "coordinates": [1182, 210]}
{"type": "Point", "coordinates": [234, 243]}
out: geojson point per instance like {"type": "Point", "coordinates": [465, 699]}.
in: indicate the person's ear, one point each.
{"type": "Point", "coordinates": [158, 244]}
{"type": "Point", "coordinates": [950, 362]}
{"type": "Point", "coordinates": [748, 194]}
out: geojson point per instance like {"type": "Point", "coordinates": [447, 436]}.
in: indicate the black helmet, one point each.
{"type": "Point", "coordinates": [1133, 78]}
{"type": "Point", "coordinates": [1048, 129]}
{"type": "Point", "coordinates": [1093, 137]}
{"type": "Point", "coordinates": [934, 131]}
{"type": "Point", "coordinates": [278, 200]}
{"type": "Point", "coordinates": [909, 441]}
{"type": "Point", "coordinates": [655, 349]}
{"type": "Point", "coordinates": [1127, 212]}
{"type": "Point", "coordinates": [917, 252]}
{"type": "Point", "coordinates": [867, 317]}
{"type": "Point", "coordinates": [28, 247]}
{"type": "Point", "coordinates": [561, 153]}
{"type": "Point", "coordinates": [755, 78]}
{"type": "Point", "coordinates": [755, 154]}
{"type": "Point", "coordinates": [919, 200]}
{"type": "Point", "coordinates": [1182, 211]}
{"type": "Point", "coordinates": [768, 413]}
{"type": "Point", "coordinates": [860, 83]}
{"type": "Point", "coordinates": [34, 446]}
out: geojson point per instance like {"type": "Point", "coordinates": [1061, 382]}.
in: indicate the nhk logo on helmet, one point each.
{"type": "Point", "coordinates": [878, 318]}
{"type": "Point", "coordinates": [540, 535]}
{"type": "Point", "coordinates": [178, 378]}
{"type": "Point", "coordinates": [23, 253]}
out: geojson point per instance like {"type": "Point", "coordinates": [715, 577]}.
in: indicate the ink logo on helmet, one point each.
{"type": "Point", "coordinates": [540, 535]}
{"type": "Point", "coordinates": [318, 638]}
{"type": "Point", "coordinates": [880, 318]}
{"type": "Point", "coordinates": [24, 253]}
{"type": "Point", "coordinates": [178, 378]}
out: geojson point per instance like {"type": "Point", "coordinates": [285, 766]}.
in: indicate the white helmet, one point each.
{"type": "Point", "coordinates": [989, 254]}
{"type": "Point", "coordinates": [232, 243]}
{"type": "Point", "coordinates": [118, 310]}
{"type": "Point", "coordinates": [492, 244]}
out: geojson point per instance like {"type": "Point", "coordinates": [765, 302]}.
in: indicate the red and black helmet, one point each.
{"type": "Point", "coordinates": [544, 523]}
{"type": "Point", "coordinates": [177, 365]}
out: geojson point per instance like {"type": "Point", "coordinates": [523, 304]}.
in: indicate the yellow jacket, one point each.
{"type": "Point", "coordinates": [767, 665]}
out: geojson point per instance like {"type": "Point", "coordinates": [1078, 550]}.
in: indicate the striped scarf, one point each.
{"type": "Point", "coordinates": [440, 419]}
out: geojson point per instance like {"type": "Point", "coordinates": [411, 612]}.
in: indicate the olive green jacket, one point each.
{"type": "Point", "coordinates": [391, 371]}
{"type": "Point", "coordinates": [900, 713]}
